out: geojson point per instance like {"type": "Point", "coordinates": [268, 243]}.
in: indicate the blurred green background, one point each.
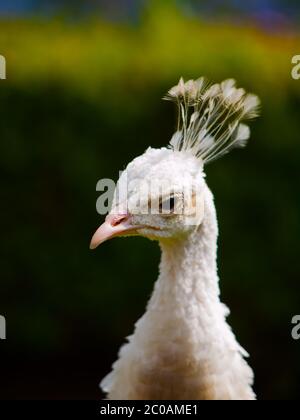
{"type": "Point", "coordinates": [81, 100]}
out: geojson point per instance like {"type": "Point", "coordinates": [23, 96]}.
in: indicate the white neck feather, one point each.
{"type": "Point", "coordinates": [188, 270]}
{"type": "Point", "coordinates": [182, 348]}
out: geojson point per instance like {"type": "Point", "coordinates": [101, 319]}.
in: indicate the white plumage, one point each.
{"type": "Point", "coordinates": [209, 117]}
{"type": "Point", "coordinates": [182, 348]}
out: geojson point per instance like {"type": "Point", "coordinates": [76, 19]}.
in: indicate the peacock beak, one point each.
{"type": "Point", "coordinates": [114, 225]}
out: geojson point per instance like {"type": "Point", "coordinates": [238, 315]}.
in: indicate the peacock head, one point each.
{"type": "Point", "coordinates": [160, 195]}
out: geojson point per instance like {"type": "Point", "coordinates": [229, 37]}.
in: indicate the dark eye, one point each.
{"type": "Point", "coordinates": [167, 206]}
{"type": "Point", "coordinates": [172, 203]}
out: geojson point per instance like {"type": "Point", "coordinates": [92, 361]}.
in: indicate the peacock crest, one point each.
{"type": "Point", "coordinates": [211, 117]}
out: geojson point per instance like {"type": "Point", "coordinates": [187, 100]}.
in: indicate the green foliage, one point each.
{"type": "Point", "coordinates": [80, 101]}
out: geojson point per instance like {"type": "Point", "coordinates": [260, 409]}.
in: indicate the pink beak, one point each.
{"type": "Point", "coordinates": [114, 225]}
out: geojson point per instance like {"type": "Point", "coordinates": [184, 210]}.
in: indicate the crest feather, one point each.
{"type": "Point", "coordinates": [210, 117]}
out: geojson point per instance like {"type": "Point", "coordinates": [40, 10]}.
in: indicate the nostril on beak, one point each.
{"type": "Point", "coordinates": [116, 220]}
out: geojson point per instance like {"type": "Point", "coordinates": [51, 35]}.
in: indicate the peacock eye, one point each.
{"type": "Point", "coordinates": [172, 203]}
{"type": "Point", "coordinates": [167, 206]}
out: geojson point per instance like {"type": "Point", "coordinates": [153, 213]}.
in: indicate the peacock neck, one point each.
{"type": "Point", "coordinates": [188, 269]}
